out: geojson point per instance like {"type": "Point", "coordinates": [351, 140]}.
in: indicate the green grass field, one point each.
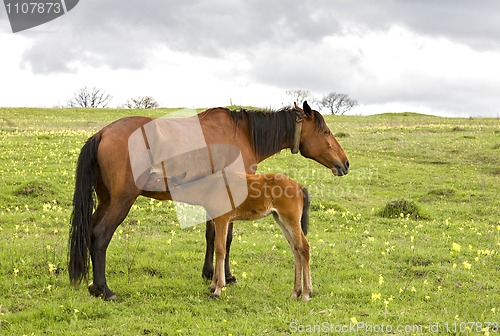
{"type": "Point", "coordinates": [436, 272]}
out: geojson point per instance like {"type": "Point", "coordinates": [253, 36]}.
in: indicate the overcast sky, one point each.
{"type": "Point", "coordinates": [438, 57]}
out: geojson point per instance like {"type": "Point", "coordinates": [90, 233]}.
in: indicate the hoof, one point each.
{"type": "Point", "coordinates": [216, 293]}
{"type": "Point", "coordinates": [296, 294]}
{"type": "Point", "coordinates": [207, 274]}
{"type": "Point", "coordinates": [231, 279]}
{"type": "Point", "coordinates": [94, 290]}
{"type": "Point", "coordinates": [112, 297]}
{"type": "Point", "coordinates": [106, 295]}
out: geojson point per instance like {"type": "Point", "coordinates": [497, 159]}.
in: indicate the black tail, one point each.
{"type": "Point", "coordinates": [304, 220]}
{"type": "Point", "coordinates": [83, 205]}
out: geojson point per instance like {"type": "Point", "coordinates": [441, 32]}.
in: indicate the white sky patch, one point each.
{"type": "Point", "coordinates": [400, 71]}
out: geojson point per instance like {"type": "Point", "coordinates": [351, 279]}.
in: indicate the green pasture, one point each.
{"type": "Point", "coordinates": [437, 272]}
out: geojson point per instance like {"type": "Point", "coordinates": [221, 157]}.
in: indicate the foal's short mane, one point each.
{"type": "Point", "coordinates": [270, 129]}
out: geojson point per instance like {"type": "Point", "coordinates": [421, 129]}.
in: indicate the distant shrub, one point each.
{"type": "Point", "coordinates": [442, 192]}
{"type": "Point", "coordinates": [342, 135]}
{"type": "Point", "coordinates": [401, 207]}
{"type": "Point", "coordinates": [458, 129]}
{"type": "Point", "coordinates": [34, 189]}
{"type": "Point", "coordinates": [7, 124]}
{"type": "Point", "coordinates": [494, 171]}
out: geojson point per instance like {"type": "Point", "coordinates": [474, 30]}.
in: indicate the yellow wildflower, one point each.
{"type": "Point", "coordinates": [52, 268]}
{"type": "Point", "coordinates": [456, 247]}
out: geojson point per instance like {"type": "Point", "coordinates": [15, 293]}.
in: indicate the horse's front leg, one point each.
{"type": "Point", "coordinates": [229, 239]}
{"type": "Point", "coordinates": [208, 266]}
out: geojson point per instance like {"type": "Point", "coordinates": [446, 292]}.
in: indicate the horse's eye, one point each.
{"type": "Point", "coordinates": [327, 133]}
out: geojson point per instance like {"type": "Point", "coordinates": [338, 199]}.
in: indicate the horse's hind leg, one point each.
{"type": "Point", "coordinates": [101, 234]}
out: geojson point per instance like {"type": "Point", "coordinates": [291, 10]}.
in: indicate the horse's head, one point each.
{"type": "Point", "coordinates": [318, 143]}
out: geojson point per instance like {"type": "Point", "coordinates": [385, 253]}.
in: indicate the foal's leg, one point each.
{"type": "Point", "coordinates": [208, 268]}
{"type": "Point", "coordinates": [305, 255]}
{"type": "Point", "coordinates": [101, 234]}
{"type": "Point", "coordinates": [290, 226]}
{"type": "Point", "coordinates": [297, 287]}
{"type": "Point", "coordinates": [219, 279]}
{"type": "Point", "coordinates": [297, 284]}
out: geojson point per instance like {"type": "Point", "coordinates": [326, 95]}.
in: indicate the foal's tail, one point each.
{"type": "Point", "coordinates": [83, 204]}
{"type": "Point", "coordinates": [304, 220]}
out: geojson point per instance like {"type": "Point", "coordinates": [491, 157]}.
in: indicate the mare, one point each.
{"type": "Point", "coordinates": [104, 167]}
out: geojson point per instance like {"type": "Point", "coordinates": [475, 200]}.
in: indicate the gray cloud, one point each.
{"type": "Point", "coordinates": [468, 22]}
{"type": "Point", "coordinates": [283, 40]}
{"type": "Point", "coordinates": [121, 34]}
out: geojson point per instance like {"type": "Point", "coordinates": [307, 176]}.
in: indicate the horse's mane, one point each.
{"type": "Point", "coordinates": [270, 129]}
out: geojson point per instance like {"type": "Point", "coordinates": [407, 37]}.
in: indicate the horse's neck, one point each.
{"type": "Point", "coordinates": [284, 145]}
{"type": "Point", "coordinates": [236, 128]}
{"type": "Point", "coordinates": [275, 139]}
{"type": "Point", "coordinates": [266, 156]}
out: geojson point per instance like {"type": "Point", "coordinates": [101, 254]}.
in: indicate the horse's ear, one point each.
{"type": "Point", "coordinates": [297, 107]}
{"type": "Point", "coordinates": [307, 109]}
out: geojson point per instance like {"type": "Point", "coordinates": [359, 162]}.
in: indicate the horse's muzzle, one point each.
{"type": "Point", "coordinates": [341, 170]}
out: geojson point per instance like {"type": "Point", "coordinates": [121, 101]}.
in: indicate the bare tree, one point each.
{"type": "Point", "coordinates": [146, 102]}
{"type": "Point", "coordinates": [298, 95]}
{"type": "Point", "coordinates": [94, 98]}
{"type": "Point", "coordinates": [338, 103]}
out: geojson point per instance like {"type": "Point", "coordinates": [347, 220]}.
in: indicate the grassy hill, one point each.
{"type": "Point", "coordinates": [412, 274]}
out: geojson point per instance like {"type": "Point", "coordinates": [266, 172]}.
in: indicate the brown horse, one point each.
{"type": "Point", "coordinates": [289, 204]}
{"type": "Point", "coordinates": [104, 167]}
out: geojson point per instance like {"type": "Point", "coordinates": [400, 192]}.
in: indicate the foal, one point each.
{"type": "Point", "coordinates": [289, 204]}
